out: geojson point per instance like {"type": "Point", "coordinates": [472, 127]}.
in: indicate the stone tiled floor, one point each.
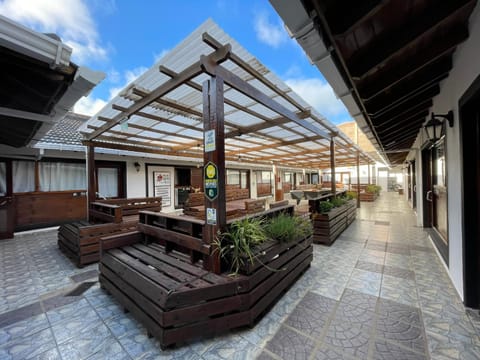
{"type": "Point", "coordinates": [379, 292]}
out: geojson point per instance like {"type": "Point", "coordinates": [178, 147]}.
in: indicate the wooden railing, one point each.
{"type": "Point", "coordinates": [115, 209]}
{"type": "Point", "coordinates": [37, 209]}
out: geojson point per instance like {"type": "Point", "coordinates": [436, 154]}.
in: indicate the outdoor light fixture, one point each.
{"type": "Point", "coordinates": [137, 166]}
{"type": "Point", "coordinates": [434, 128]}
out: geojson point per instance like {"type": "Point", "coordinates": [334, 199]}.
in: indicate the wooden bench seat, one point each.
{"type": "Point", "coordinates": [177, 300]}
{"type": "Point", "coordinates": [80, 240]}
{"type": "Point", "coordinates": [235, 207]}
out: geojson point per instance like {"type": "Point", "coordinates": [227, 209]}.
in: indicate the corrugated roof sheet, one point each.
{"type": "Point", "coordinates": [176, 118]}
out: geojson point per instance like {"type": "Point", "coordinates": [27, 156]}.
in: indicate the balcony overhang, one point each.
{"type": "Point", "coordinates": [382, 58]}
{"type": "Point", "coordinates": [39, 83]}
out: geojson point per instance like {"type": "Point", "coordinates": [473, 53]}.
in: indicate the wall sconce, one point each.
{"type": "Point", "coordinates": [137, 166]}
{"type": "Point", "coordinates": [434, 128]}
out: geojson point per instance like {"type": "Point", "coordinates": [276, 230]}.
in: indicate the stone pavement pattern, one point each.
{"type": "Point", "coordinates": [379, 292]}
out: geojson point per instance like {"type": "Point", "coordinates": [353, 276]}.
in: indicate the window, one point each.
{"type": "Point", "coordinates": [238, 178]}
{"type": "Point", "coordinates": [60, 176]}
{"type": "Point", "coordinates": [110, 179]}
{"type": "Point", "coordinates": [23, 176]}
{"type": "Point", "coordinates": [3, 179]}
{"type": "Point", "coordinates": [108, 182]}
{"type": "Point", "coordinates": [264, 183]}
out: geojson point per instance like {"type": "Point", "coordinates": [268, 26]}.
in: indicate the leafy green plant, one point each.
{"type": "Point", "coordinates": [337, 202]}
{"type": "Point", "coordinates": [237, 244]}
{"type": "Point", "coordinates": [304, 227]}
{"type": "Point", "coordinates": [281, 228]}
{"type": "Point", "coordinates": [286, 228]}
{"type": "Point", "coordinates": [375, 189]}
{"type": "Point", "coordinates": [324, 206]}
{"type": "Point", "coordinates": [351, 195]}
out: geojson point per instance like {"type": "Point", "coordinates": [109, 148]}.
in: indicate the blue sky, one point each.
{"type": "Point", "coordinates": [123, 38]}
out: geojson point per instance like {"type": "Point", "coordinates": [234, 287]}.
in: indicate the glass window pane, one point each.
{"type": "Point", "coordinates": [244, 178]}
{"type": "Point", "coordinates": [23, 176]}
{"type": "Point", "coordinates": [108, 182]}
{"type": "Point", "coordinates": [3, 179]}
{"type": "Point", "coordinates": [233, 177]}
{"type": "Point", "coordinates": [58, 176]}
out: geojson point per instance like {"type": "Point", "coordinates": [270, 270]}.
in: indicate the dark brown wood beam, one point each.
{"type": "Point", "coordinates": [189, 73]}
{"type": "Point", "coordinates": [213, 120]}
{"type": "Point", "coordinates": [255, 94]}
{"type": "Point", "coordinates": [384, 121]}
{"type": "Point", "coordinates": [332, 167]}
{"type": "Point", "coordinates": [420, 29]}
{"type": "Point", "coordinates": [339, 20]}
{"type": "Point", "coordinates": [410, 62]}
{"type": "Point", "coordinates": [402, 92]}
{"type": "Point", "coordinates": [399, 107]}
{"type": "Point", "coordinates": [399, 128]}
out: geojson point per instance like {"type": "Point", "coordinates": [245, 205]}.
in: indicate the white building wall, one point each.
{"type": "Point", "coordinates": [466, 67]}
{"type": "Point", "coordinates": [135, 180]}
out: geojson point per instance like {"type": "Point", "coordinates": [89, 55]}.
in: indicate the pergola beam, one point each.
{"type": "Point", "coordinates": [219, 55]}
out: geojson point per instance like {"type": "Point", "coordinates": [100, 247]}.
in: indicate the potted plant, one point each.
{"type": "Point", "coordinates": [253, 242]}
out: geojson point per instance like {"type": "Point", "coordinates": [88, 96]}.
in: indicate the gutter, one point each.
{"type": "Point", "coordinates": [300, 26]}
{"type": "Point", "coordinates": [33, 44]}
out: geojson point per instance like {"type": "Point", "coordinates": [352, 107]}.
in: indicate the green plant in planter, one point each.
{"type": "Point", "coordinates": [375, 189]}
{"type": "Point", "coordinates": [237, 244]}
{"type": "Point", "coordinates": [304, 227]}
{"type": "Point", "coordinates": [351, 195]}
{"type": "Point", "coordinates": [286, 228]}
{"type": "Point", "coordinates": [324, 207]}
{"type": "Point", "coordinates": [281, 228]}
{"type": "Point", "coordinates": [337, 202]}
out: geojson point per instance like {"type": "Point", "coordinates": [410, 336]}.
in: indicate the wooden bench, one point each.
{"type": "Point", "coordinates": [80, 240]}
{"type": "Point", "coordinates": [114, 210]}
{"type": "Point", "coordinates": [172, 294]}
{"type": "Point", "coordinates": [237, 204]}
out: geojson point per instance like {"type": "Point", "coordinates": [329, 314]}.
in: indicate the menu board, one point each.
{"type": "Point", "coordinates": [162, 187]}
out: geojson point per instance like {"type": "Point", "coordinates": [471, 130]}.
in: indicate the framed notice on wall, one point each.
{"type": "Point", "coordinates": [162, 182]}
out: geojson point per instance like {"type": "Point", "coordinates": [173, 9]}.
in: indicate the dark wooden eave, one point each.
{"type": "Point", "coordinates": [393, 54]}
{"type": "Point", "coordinates": [31, 86]}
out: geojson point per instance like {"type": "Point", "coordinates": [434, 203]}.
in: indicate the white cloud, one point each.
{"type": "Point", "coordinates": [267, 32]}
{"type": "Point", "coordinates": [161, 54]}
{"type": "Point", "coordinates": [129, 76]}
{"type": "Point", "coordinates": [89, 105]}
{"type": "Point", "coordinates": [70, 19]}
{"type": "Point", "coordinates": [318, 94]}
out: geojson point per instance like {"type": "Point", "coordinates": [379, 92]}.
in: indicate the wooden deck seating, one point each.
{"type": "Point", "coordinates": [113, 210]}
{"type": "Point", "coordinates": [158, 274]}
{"type": "Point", "coordinates": [238, 204]}
{"type": "Point", "coordinates": [80, 240]}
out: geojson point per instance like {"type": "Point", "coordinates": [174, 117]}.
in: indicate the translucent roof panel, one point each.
{"type": "Point", "coordinates": [164, 106]}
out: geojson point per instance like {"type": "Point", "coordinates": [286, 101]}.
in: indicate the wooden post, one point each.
{"type": "Point", "coordinates": [37, 175]}
{"type": "Point", "coordinates": [358, 178]}
{"type": "Point", "coordinates": [91, 183]}
{"type": "Point", "coordinates": [214, 154]}
{"type": "Point", "coordinates": [332, 167]}
{"type": "Point", "coordinates": [369, 180]}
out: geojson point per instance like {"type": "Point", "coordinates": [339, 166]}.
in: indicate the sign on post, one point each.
{"type": "Point", "coordinates": [210, 181]}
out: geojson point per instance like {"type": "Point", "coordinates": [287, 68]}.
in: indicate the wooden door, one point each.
{"type": "Point", "coordinates": [7, 203]}
{"type": "Point", "coordinates": [470, 140]}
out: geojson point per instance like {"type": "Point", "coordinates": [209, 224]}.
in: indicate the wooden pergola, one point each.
{"type": "Point", "coordinates": [210, 85]}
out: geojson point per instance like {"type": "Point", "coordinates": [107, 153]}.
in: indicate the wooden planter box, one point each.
{"type": "Point", "coordinates": [327, 227]}
{"type": "Point", "coordinates": [178, 301]}
{"type": "Point", "coordinates": [80, 240]}
{"type": "Point", "coordinates": [265, 253]}
{"type": "Point", "coordinates": [366, 196]}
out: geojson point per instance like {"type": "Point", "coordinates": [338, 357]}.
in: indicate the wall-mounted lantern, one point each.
{"type": "Point", "coordinates": [434, 128]}
{"type": "Point", "coordinates": [137, 166]}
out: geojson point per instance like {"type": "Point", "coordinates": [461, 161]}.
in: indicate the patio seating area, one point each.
{"type": "Point", "coordinates": [379, 292]}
